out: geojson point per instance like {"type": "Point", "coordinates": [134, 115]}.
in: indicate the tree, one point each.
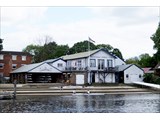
{"type": "Point", "coordinates": [156, 39]}
{"type": "Point", "coordinates": [145, 60]}
{"type": "Point", "coordinates": [1, 46]}
{"type": "Point", "coordinates": [133, 60]}
{"type": "Point", "coordinates": [34, 50]}
{"type": "Point", "coordinates": [61, 50]}
{"type": "Point", "coordinates": [105, 46]}
{"type": "Point", "coordinates": [82, 47]}
{"type": "Point", "coordinates": [49, 50]}
{"type": "Point", "coordinates": [117, 52]}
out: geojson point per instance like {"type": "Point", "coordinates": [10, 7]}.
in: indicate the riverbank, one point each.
{"type": "Point", "coordinates": [62, 89]}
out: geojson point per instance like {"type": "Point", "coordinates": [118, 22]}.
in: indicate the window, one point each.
{"type": "Point", "coordinates": [69, 63]}
{"type": "Point", "coordinates": [14, 66]}
{"type": "Point", "coordinates": [140, 76]}
{"type": "Point", "coordinates": [92, 63]}
{"type": "Point", "coordinates": [127, 75]}
{"type": "Point", "coordinates": [1, 57]}
{"type": "Point", "coordinates": [109, 63]}
{"type": "Point", "coordinates": [59, 65]}
{"type": "Point", "coordinates": [1, 65]}
{"type": "Point", "coordinates": [79, 63]}
{"type": "Point", "coordinates": [14, 57]}
{"type": "Point", "coordinates": [101, 64]}
{"type": "Point", "coordinates": [23, 58]}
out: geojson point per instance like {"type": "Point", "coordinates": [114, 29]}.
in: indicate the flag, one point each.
{"type": "Point", "coordinates": [91, 39]}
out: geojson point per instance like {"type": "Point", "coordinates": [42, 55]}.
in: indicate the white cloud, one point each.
{"type": "Point", "coordinates": [18, 15]}
{"type": "Point", "coordinates": [127, 29]}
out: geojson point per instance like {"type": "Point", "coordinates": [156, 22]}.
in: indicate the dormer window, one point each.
{"type": "Point", "coordinates": [59, 65]}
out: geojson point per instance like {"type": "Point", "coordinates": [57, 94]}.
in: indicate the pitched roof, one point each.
{"type": "Point", "coordinates": [148, 70]}
{"type": "Point", "coordinates": [84, 54]}
{"type": "Point", "coordinates": [26, 68]}
{"type": "Point", "coordinates": [52, 60]}
{"type": "Point", "coordinates": [33, 68]}
{"type": "Point", "coordinates": [120, 68]}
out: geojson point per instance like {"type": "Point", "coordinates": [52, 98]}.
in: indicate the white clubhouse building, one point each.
{"type": "Point", "coordinates": [96, 66]}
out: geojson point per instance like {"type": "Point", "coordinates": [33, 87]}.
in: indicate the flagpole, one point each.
{"type": "Point", "coordinates": [89, 71]}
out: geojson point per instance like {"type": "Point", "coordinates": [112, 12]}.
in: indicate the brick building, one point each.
{"type": "Point", "coordinates": [10, 60]}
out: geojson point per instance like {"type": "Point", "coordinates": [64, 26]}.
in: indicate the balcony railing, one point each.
{"type": "Point", "coordinates": [75, 69]}
{"type": "Point", "coordinates": [106, 69]}
{"type": "Point", "coordinates": [110, 69]}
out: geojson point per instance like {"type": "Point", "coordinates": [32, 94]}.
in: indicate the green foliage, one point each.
{"type": "Point", "coordinates": [34, 50]}
{"type": "Point", "coordinates": [1, 45]}
{"type": "Point", "coordinates": [61, 50]}
{"type": "Point", "coordinates": [82, 47]}
{"type": "Point", "coordinates": [48, 51]}
{"type": "Point", "coordinates": [117, 52]}
{"type": "Point", "coordinates": [151, 78]}
{"type": "Point", "coordinates": [157, 81]}
{"type": "Point", "coordinates": [156, 38]}
{"type": "Point", "coordinates": [51, 49]}
{"type": "Point", "coordinates": [106, 46]}
{"type": "Point", "coordinates": [145, 60]}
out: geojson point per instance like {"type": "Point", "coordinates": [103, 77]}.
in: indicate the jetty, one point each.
{"type": "Point", "coordinates": [149, 85]}
{"type": "Point", "coordinates": [62, 89]}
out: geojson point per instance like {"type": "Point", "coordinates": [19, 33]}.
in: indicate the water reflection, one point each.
{"type": "Point", "coordinates": [137, 103]}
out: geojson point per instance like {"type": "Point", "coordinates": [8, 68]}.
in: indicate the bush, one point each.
{"type": "Point", "coordinates": [157, 81]}
{"type": "Point", "coordinates": [151, 78]}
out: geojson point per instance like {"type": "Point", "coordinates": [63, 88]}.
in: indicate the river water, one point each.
{"type": "Point", "coordinates": [80, 103]}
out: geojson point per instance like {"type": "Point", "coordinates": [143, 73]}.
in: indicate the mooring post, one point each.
{"type": "Point", "coordinates": [15, 84]}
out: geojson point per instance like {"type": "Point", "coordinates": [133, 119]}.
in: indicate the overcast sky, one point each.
{"type": "Point", "coordinates": [126, 28]}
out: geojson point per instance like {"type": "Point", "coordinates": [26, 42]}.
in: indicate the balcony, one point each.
{"type": "Point", "coordinates": [106, 69]}
{"type": "Point", "coordinates": [75, 69]}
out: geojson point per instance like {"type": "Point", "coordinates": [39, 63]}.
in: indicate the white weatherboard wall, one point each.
{"type": "Point", "coordinates": [55, 64]}
{"type": "Point", "coordinates": [101, 54]}
{"type": "Point", "coordinates": [118, 61]}
{"type": "Point", "coordinates": [79, 79]}
{"type": "Point", "coordinates": [110, 78]}
{"type": "Point", "coordinates": [134, 74]}
{"type": "Point", "coordinates": [45, 68]}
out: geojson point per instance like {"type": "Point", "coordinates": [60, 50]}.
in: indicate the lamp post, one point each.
{"type": "Point", "coordinates": [15, 84]}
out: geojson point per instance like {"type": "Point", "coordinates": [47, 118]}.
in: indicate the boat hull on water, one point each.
{"type": "Point", "coordinates": [6, 96]}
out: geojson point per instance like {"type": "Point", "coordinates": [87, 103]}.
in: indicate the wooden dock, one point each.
{"type": "Point", "coordinates": [153, 86]}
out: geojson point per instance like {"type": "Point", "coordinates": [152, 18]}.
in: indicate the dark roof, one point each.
{"type": "Point", "coordinates": [15, 53]}
{"type": "Point", "coordinates": [120, 68]}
